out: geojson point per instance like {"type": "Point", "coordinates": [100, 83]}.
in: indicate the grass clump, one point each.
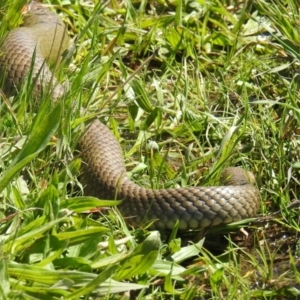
{"type": "Point", "coordinates": [210, 84]}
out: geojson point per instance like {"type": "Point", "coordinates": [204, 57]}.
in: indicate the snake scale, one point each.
{"type": "Point", "coordinates": [42, 38]}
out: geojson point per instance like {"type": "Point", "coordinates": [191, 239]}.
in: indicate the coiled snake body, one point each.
{"type": "Point", "coordinates": [43, 37]}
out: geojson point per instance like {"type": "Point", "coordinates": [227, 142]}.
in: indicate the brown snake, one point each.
{"type": "Point", "coordinates": [43, 35]}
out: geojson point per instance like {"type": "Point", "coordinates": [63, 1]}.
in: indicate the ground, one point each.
{"type": "Point", "coordinates": [210, 84]}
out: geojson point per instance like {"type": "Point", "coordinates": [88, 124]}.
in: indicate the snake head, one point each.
{"type": "Point", "coordinates": [237, 176]}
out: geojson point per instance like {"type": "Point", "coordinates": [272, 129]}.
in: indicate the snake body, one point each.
{"type": "Point", "coordinates": [42, 39]}
{"type": "Point", "coordinates": [104, 174]}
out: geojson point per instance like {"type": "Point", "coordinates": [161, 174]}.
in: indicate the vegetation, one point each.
{"type": "Point", "coordinates": [210, 84]}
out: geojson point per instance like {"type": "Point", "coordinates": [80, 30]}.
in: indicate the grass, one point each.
{"type": "Point", "coordinates": [210, 84]}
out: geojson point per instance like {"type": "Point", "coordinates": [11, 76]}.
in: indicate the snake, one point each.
{"type": "Point", "coordinates": [39, 43]}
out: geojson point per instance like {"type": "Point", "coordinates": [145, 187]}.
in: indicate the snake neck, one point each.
{"type": "Point", "coordinates": [47, 29]}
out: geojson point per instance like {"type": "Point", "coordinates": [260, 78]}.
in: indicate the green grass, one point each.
{"type": "Point", "coordinates": [221, 89]}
